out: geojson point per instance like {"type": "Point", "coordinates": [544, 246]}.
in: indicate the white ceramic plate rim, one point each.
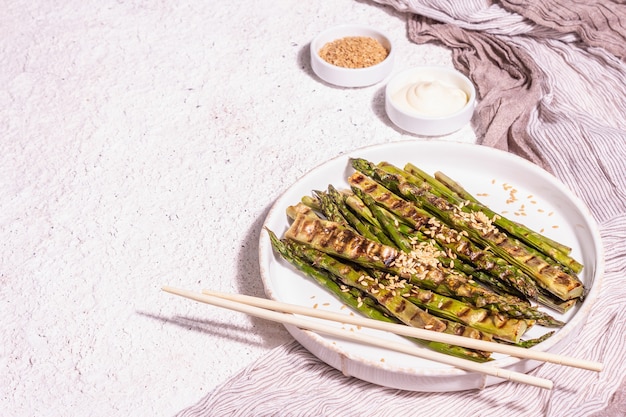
{"type": "Point", "coordinates": [362, 365]}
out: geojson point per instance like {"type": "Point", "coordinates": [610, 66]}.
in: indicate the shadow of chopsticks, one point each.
{"type": "Point", "coordinates": [215, 328]}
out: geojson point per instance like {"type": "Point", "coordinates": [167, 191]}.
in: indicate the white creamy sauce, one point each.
{"type": "Point", "coordinates": [430, 98]}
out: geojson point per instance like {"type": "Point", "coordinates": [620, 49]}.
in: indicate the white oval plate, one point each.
{"type": "Point", "coordinates": [540, 201]}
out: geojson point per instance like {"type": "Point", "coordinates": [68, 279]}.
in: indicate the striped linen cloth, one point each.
{"type": "Point", "coordinates": [551, 92]}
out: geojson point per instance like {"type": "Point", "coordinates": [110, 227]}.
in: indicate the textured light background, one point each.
{"type": "Point", "coordinates": [143, 143]}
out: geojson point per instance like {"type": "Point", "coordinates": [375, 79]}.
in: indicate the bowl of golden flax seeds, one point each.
{"type": "Point", "coordinates": [352, 56]}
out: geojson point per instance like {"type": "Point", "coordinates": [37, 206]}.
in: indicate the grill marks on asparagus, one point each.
{"type": "Point", "coordinates": [363, 303]}
{"type": "Point", "coordinates": [460, 245]}
{"type": "Point", "coordinates": [479, 226]}
{"type": "Point", "coordinates": [456, 241]}
{"type": "Point", "coordinates": [389, 292]}
{"type": "Point", "coordinates": [401, 308]}
{"type": "Point", "coordinates": [334, 238]}
{"type": "Point", "coordinates": [450, 188]}
{"type": "Point", "coordinates": [547, 275]}
{"type": "Point", "coordinates": [403, 299]}
{"type": "Point", "coordinates": [501, 326]}
{"type": "Point", "coordinates": [420, 266]}
{"type": "Point", "coordinates": [399, 206]}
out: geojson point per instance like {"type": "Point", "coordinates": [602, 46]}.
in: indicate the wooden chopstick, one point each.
{"type": "Point", "coordinates": [294, 320]}
{"type": "Point", "coordinates": [403, 330]}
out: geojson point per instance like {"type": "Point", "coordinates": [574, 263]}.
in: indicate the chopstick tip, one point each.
{"type": "Point", "coordinates": [167, 288]}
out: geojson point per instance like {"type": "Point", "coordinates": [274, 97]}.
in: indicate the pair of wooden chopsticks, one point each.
{"type": "Point", "coordinates": [284, 313]}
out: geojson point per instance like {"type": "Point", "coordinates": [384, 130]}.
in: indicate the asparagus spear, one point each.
{"type": "Point", "coordinates": [524, 233]}
{"type": "Point", "coordinates": [333, 238]}
{"type": "Point", "coordinates": [338, 240]}
{"type": "Point", "coordinates": [488, 261]}
{"type": "Point", "coordinates": [300, 208]}
{"type": "Point", "coordinates": [481, 230]}
{"type": "Point", "coordinates": [331, 210]}
{"type": "Point", "coordinates": [324, 279]}
{"type": "Point", "coordinates": [390, 295]}
{"type": "Point", "coordinates": [500, 326]}
{"type": "Point", "coordinates": [358, 301]}
{"type": "Point", "coordinates": [537, 244]}
{"type": "Point", "coordinates": [362, 211]}
{"type": "Point", "coordinates": [398, 306]}
{"type": "Point", "coordinates": [464, 248]}
{"type": "Point", "coordinates": [533, 342]}
{"type": "Point", "coordinates": [456, 242]}
{"type": "Point", "coordinates": [389, 224]}
{"type": "Point", "coordinates": [358, 206]}
{"type": "Point", "coordinates": [407, 238]}
{"type": "Point", "coordinates": [444, 186]}
{"type": "Point", "coordinates": [459, 244]}
{"type": "Point", "coordinates": [549, 300]}
{"type": "Point", "coordinates": [312, 203]}
{"type": "Point", "coordinates": [366, 229]}
{"type": "Point", "coordinates": [487, 324]}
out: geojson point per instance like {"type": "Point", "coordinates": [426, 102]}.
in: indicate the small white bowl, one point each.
{"type": "Point", "coordinates": [420, 123]}
{"type": "Point", "coordinates": [351, 77]}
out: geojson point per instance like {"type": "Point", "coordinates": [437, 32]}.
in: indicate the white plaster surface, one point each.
{"type": "Point", "coordinates": [143, 143]}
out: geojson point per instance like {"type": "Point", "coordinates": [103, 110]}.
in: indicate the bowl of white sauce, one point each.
{"type": "Point", "coordinates": [430, 100]}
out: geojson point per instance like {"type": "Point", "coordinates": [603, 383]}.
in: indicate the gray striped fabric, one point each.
{"type": "Point", "coordinates": [598, 23]}
{"type": "Point", "coordinates": [556, 97]}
